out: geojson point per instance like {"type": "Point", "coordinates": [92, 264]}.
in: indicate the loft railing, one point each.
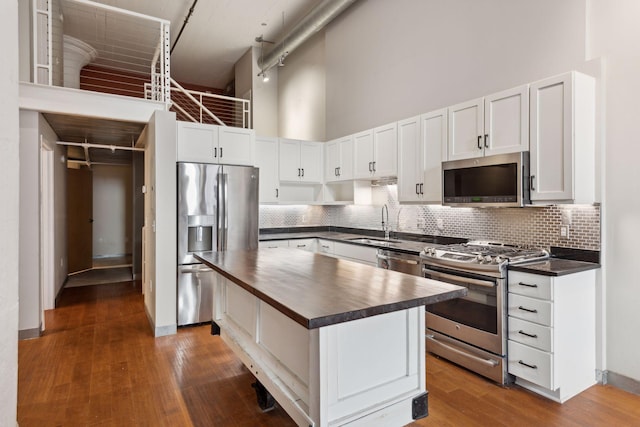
{"type": "Point", "coordinates": [204, 107]}
{"type": "Point", "coordinates": [128, 49]}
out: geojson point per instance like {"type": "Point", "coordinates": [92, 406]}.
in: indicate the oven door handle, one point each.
{"type": "Point", "coordinates": [396, 259]}
{"type": "Point", "coordinates": [488, 362]}
{"type": "Point", "coordinates": [458, 279]}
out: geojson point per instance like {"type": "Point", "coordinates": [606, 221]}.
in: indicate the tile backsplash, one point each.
{"type": "Point", "coordinates": [531, 226]}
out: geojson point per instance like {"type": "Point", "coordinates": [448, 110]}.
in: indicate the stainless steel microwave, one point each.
{"type": "Point", "coordinates": [493, 181]}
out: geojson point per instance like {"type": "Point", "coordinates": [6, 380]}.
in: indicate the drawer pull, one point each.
{"type": "Point", "coordinates": [301, 246]}
{"type": "Point", "coordinates": [528, 310]}
{"type": "Point", "coordinates": [527, 365]}
{"type": "Point", "coordinates": [325, 246]}
{"type": "Point", "coordinates": [527, 335]}
{"type": "Point", "coordinates": [528, 285]}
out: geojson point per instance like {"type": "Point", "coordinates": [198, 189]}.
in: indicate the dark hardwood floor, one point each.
{"type": "Point", "coordinates": [98, 364]}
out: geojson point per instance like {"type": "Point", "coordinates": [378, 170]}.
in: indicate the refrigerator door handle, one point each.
{"type": "Point", "coordinates": [223, 220]}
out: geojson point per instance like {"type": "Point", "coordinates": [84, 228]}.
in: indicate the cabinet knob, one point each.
{"type": "Point", "coordinates": [417, 192]}
{"type": "Point", "coordinates": [531, 182]}
{"type": "Point", "coordinates": [370, 167]}
{"type": "Point", "coordinates": [479, 142]}
{"type": "Point", "coordinates": [215, 151]}
{"type": "Point", "coordinates": [374, 166]}
{"type": "Point", "coordinates": [220, 151]}
{"type": "Point", "coordinates": [421, 185]}
{"type": "Point", "coordinates": [486, 144]}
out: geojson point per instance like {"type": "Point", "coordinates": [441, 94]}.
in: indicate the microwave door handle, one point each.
{"type": "Point", "coordinates": [458, 279]}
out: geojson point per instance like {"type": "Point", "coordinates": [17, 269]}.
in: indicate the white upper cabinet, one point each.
{"type": "Point", "coordinates": [196, 142]}
{"type": "Point", "coordinates": [203, 143]}
{"type": "Point", "coordinates": [495, 124]}
{"type": "Point", "coordinates": [409, 160]}
{"type": "Point", "coordinates": [300, 161]}
{"type": "Point", "coordinates": [363, 154]}
{"type": "Point", "coordinates": [236, 146]}
{"type": "Point", "coordinates": [376, 152]}
{"type": "Point", "coordinates": [422, 142]}
{"type": "Point", "coordinates": [434, 142]}
{"type": "Point", "coordinates": [562, 139]}
{"type": "Point", "coordinates": [466, 130]}
{"type": "Point", "coordinates": [267, 162]}
{"type": "Point", "coordinates": [338, 159]}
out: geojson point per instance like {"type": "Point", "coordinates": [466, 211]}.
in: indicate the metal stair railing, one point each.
{"type": "Point", "coordinates": [205, 107]}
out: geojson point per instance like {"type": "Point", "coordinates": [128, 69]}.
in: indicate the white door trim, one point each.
{"type": "Point", "coordinates": [47, 248]}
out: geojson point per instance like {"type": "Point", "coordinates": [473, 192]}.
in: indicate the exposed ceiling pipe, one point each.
{"type": "Point", "coordinates": [184, 24]}
{"type": "Point", "coordinates": [314, 21]}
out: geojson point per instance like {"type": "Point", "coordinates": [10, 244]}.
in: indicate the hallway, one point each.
{"type": "Point", "coordinates": [98, 364]}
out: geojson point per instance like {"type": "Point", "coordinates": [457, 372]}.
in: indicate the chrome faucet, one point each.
{"type": "Point", "coordinates": [385, 225]}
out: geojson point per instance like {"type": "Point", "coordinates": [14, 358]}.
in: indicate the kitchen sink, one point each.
{"type": "Point", "coordinates": [374, 242]}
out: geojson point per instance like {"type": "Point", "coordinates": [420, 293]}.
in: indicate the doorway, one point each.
{"type": "Point", "coordinates": [100, 224]}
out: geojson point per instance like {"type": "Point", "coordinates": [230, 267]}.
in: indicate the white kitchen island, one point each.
{"type": "Point", "coordinates": [334, 342]}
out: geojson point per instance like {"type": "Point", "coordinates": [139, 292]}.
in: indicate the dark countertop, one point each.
{"type": "Point", "coordinates": [317, 290]}
{"type": "Point", "coordinates": [555, 267]}
{"type": "Point", "coordinates": [413, 247]}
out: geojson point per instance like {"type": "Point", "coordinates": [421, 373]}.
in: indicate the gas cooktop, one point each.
{"type": "Point", "coordinates": [483, 253]}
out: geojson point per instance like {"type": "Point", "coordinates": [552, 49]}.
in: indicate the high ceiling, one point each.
{"type": "Point", "coordinates": [218, 33]}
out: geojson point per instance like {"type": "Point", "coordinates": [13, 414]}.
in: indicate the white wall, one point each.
{"type": "Point", "coordinates": [614, 34]}
{"type": "Point", "coordinates": [160, 223]}
{"type": "Point", "coordinates": [9, 211]}
{"type": "Point", "coordinates": [112, 210]}
{"type": "Point", "coordinates": [29, 248]}
{"type": "Point", "coordinates": [35, 131]}
{"type": "Point", "coordinates": [301, 92]}
{"type": "Point", "coordinates": [264, 94]}
{"type": "Point", "coordinates": [391, 60]}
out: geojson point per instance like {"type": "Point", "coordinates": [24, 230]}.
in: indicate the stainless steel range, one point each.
{"type": "Point", "coordinates": [472, 331]}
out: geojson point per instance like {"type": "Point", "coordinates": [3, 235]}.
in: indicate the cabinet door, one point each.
{"type": "Point", "coordinates": [311, 162]}
{"type": "Point", "coordinates": [385, 154]}
{"type": "Point", "coordinates": [331, 160]}
{"type": "Point", "coordinates": [434, 149]}
{"type": "Point", "coordinates": [196, 142]}
{"type": "Point", "coordinates": [236, 146]}
{"type": "Point", "coordinates": [409, 160]}
{"type": "Point", "coordinates": [272, 244]}
{"type": "Point", "coordinates": [304, 244]}
{"type": "Point", "coordinates": [289, 158]}
{"type": "Point", "coordinates": [267, 162]}
{"type": "Point", "coordinates": [345, 169]}
{"type": "Point", "coordinates": [506, 121]}
{"type": "Point", "coordinates": [551, 144]}
{"type": "Point", "coordinates": [363, 154]}
{"type": "Point", "coordinates": [466, 130]}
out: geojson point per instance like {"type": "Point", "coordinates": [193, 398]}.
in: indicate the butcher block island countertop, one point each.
{"type": "Point", "coordinates": [317, 290]}
{"type": "Point", "coordinates": [334, 342]}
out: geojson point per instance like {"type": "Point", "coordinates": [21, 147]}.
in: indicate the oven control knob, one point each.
{"type": "Point", "coordinates": [480, 259]}
{"type": "Point", "coordinates": [488, 259]}
{"type": "Point", "coordinates": [499, 259]}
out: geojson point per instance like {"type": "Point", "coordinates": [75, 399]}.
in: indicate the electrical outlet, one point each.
{"type": "Point", "coordinates": [564, 232]}
{"type": "Point", "coordinates": [440, 224]}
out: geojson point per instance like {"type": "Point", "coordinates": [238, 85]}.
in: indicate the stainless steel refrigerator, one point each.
{"type": "Point", "coordinates": [217, 211]}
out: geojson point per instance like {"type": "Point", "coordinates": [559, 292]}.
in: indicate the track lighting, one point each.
{"type": "Point", "coordinates": [265, 77]}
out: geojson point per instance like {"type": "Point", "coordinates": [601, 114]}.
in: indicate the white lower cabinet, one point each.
{"type": "Point", "coordinates": [361, 254]}
{"type": "Point", "coordinates": [325, 246]}
{"type": "Point", "coordinates": [363, 372]}
{"type": "Point", "coordinates": [357, 253]}
{"type": "Point", "coordinates": [272, 244]}
{"type": "Point", "coordinates": [551, 347]}
{"type": "Point", "coordinates": [304, 244]}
